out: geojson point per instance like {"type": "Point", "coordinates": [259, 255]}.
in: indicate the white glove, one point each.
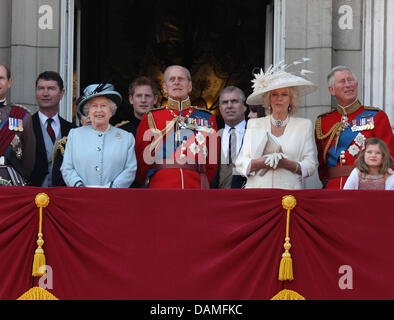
{"type": "Point", "coordinates": [273, 159]}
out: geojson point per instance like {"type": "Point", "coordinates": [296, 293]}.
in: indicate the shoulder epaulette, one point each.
{"type": "Point", "coordinates": [59, 145]}
{"type": "Point", "coordinates": [20, 106]}
{"type": "Point", "coordinates": [122, 123]}
{"type": "Point", "coordinates": [372, 108]}
{"type": "Point", "coordinates": [326, 113]}
{"type": "Point", "coordinates": [156, 109]}
{"type": "Point", "coordinates": [202, 109]}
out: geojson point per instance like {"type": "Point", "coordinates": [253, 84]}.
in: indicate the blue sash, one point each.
{"type": "Point", "coordinates": [345, 139]}
{"type": "Point", "coordinates": [169, 145]}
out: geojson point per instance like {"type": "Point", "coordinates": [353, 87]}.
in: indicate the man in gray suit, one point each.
{"type": "Point", "coordinates": [232, 109]}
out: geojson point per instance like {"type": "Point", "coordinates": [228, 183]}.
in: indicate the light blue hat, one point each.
{"type": "Point", "coordinates": [97, 90]}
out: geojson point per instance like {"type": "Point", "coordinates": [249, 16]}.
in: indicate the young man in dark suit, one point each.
{"type": "Point", "coordinates": [48, 128]}
{"type": "Point", "coordinates": [143, 95]}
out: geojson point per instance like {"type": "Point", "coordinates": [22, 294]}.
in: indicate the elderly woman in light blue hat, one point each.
{"type": "Point", "coordinates": [99, 155]}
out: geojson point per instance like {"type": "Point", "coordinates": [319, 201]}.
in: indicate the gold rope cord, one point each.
{"type": "Point", "coordinates": [39, 269]}
{"type": "Point", "coordinates": [42, 201]}
{"type": "Point", "coordinates": [59, 145]}
{"type": "Point", "coordinates": [332, 132]}
{"type": "Point", "coordinates": [286, 263]}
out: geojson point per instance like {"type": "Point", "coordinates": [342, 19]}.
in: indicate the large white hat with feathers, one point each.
{"type": "Point", "coordinates": [276, 78]}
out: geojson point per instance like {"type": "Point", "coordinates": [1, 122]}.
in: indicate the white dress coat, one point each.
{"type": "Point", "coordinates": [296, 143]}
{"type": "Point", "coordinates": [99, 159]}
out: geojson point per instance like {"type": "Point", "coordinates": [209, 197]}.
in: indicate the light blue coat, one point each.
{"type": "Point", "coordinates": [99, 159]}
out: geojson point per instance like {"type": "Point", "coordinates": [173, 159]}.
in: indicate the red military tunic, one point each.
{"type": "Point", "coordinates": [183, 139]}
{"type": "Point", "coordinates": [337, 157]}
{"type": "Point", "coordinates": [17, 141]}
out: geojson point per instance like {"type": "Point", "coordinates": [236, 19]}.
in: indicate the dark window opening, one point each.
{"type": "Point", "coordinates": [220, 42]}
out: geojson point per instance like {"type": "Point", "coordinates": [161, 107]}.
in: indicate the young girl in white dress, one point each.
{"type": "Point", "coordinates": [372, 170]}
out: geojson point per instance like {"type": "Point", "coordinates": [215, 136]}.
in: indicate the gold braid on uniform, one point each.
{"type": "Point", "coordinates": [202, 109]}
{"type": "Point", "coordinates": [372, 108]}
{"type": "Point", "coordinates": [59, 145]}
{"type": "Point", "coordinates": [121, 123]}
{"type": "Point", "coordinates": [332, 132]}
{"type": "Point", "coordinates": [153, 127]}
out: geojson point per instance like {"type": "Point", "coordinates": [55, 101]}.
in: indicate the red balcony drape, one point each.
{"type": "Point", "coordinates": [192, 244]}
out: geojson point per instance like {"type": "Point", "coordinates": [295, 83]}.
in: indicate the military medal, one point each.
{"type": "Point", "coordinates": [191, 124]}
{"type": "Point", "coordinates": [11, 124]}
{"type": "Point", "coordinates": [370, 124]}
{"type": "Point", "coordinates": [200, 138]}
{"type": "Point", "coordinates": [16, 146]}
{"type": "Point", "coordinates": [363, 124]}
{"type": "Point", "coordinates": [18, 153]}
{"type": "Point", "coordinates": [354, 150]}
{"type": "Point", "coordinates": [344, 122]}
{"type": "Point", "coordinates": [360, 139]}
{"type": "Point", "coordinates": [181, 122]}
{"type": "Point", "coordinates": [16, 128]}
{"type": "Point", "coordinates": [20, 125]}
{"type": "Point", "coordinates": [194, 148]}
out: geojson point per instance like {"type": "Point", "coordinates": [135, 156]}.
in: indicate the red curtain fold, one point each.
{"type": "Point", "coordinates": [197, 244]}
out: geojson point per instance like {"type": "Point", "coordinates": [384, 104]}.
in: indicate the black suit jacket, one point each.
{"type": "Point", "coordinates": [40, 169]}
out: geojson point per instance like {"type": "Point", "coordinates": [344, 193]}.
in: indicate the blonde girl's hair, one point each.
{"type": "Point", "coordinates": [387, 160]}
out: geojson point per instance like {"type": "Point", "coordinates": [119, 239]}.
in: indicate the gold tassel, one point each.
{"type": "Point", "coordinates": [37, 293]}
{"type": "Point", "coordinates": [288, 295]}
{"type": "Point", "coordinates": [39, 269]}
{"type": "Point", "coordinates": [286, 263]}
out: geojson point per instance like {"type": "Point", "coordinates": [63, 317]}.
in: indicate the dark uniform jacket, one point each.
{"type": "Point", "coordinates": [41, 164]}
{"type": "Point", "coordinates": [19, 153]}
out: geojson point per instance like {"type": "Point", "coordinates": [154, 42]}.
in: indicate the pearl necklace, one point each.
{"type": "Point", "coordinates": [279, 123]}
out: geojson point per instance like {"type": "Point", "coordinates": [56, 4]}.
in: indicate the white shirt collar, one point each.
{"type": "Point", "coordinates": [44, 118]}
{"type": "Point", "coordinates": [240, 127]}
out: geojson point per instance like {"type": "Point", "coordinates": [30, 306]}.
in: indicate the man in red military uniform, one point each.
{"type": "Point", "coordinates": [176, 146]}
{"type": "Point", "coordinates": [340, 134]}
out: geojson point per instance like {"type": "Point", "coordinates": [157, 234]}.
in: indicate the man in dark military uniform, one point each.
{"type": "Point", "coordinates": [17, 141]}
{"type": "Point", "coordinates": [143, 97]}
{"type": "Point", "coordinates": [176, 146]}
{"type": "Point", "coordinates": [340, 134]}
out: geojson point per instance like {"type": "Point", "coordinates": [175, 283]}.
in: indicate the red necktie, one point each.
{"type": "Point", "coordinates": [50, 130]}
